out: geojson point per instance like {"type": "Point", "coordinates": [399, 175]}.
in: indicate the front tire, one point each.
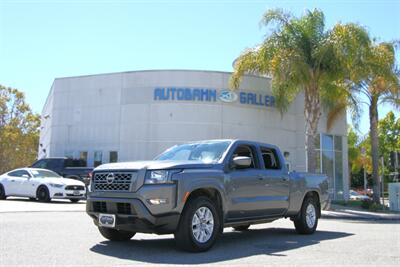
{"type": "Point", "coordinates": [115, 235]}
{"type": "Point", "coordinates": [2, 192]}
{"type": "Point", "coordinates": [306, 222]}
{"type": "Point", "coordinates": [199, 225]}
{"type": "Point", "coordinates": [43, 194]}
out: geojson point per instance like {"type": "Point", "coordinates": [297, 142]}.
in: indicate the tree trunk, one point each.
{"type": "Point", "coordinates": [312, 113]}
{"type": "Point", "coordinates": [373, 124]}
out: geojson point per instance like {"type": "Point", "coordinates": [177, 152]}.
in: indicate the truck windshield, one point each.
{"type": "Point", "coordinates": [208, 152]}
{"type": "Point", "coordinates": [40, 173]}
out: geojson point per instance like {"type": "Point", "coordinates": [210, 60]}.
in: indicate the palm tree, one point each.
{"type": "Point", "coordinates": [303, 57]}
{"type": "Point", "coordinates": [380, 84]}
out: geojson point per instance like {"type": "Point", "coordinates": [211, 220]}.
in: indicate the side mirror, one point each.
{"type": "Point", "coordinates": [242, 162]}
{"type": "Point", "coordinates": [25, 176]}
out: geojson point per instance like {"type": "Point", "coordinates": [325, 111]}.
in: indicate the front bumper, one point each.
{"type": "Point", "coordinates": [132, 215]}
{"type": "Point", "coordinates": [67, 194]}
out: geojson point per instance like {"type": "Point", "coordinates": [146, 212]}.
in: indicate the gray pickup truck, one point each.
{"type": "Point", "coordinates": [194, 190]}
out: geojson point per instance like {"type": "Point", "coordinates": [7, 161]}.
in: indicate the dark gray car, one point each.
{"type": "Point", "coordinates": [195, 190]}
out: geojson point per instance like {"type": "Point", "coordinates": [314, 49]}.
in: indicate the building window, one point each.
{"type": "Point", "coordinates": [113, 156]}
{"type": "Point", "coordinates": [330, 161]}
{"type": "Point", "coordinates": [83, 155]}
{"type": "Point", "coordinates": [98, 158]}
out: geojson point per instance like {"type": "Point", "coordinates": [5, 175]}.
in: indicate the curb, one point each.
{"type": "Point", "coordinates": [355, 215]}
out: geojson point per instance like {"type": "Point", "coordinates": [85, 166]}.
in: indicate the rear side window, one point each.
{"type": "Point", "coordinates": [270, 158]}
{"type": "Point", "coordinates": [246, 151]}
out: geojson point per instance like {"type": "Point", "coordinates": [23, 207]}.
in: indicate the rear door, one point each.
{"type": "Point", "coordinates": [245, 188]}
{"type": "Point", "coordinates": [275, 181]}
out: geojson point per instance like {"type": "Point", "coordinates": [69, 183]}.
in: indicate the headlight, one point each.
{"type": "Point", "coordinates": [56, 185]}
{"type": "Point", "coordinates": [157, 177]}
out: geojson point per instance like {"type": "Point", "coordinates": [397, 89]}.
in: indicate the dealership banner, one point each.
{"type": "Point", "coordinates": [212, 95]}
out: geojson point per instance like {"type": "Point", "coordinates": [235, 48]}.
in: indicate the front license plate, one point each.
{"type": "Point", "coordinates": [107, 220]}
{"type": "Point", "coordinates": [77, 193]}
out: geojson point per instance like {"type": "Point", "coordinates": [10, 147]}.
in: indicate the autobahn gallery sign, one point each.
{"type": "Point", "coordinates": [212, 95]}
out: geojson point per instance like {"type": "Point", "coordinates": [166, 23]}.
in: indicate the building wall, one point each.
{"type": "Point", "coordinates": [119, 112]}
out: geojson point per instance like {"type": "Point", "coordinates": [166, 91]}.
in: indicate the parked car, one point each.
{"type": "Point", "coordinates": [195, 190]}
{"type": "Point", "coordinates": [357, 196]}
{"type": "Point", "coordinates": [66, 167]}
{"type": "Point", "coordinates": [40, 184]}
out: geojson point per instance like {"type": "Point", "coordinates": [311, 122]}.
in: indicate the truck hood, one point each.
{"type": "Point", "coordinates": [155, 165]}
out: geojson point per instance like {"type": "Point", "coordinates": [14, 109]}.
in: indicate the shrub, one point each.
{"type": "Point", "coordinates": [370, 205]}
{"type": "Point", "coordinates": [366, 203]}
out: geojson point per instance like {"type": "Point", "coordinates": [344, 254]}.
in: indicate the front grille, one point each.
{"type": "Point", "coordinates": [112, 181]}
{"type": "Point", "coordinates": [74, 187]}
{"type": "Point", "coordinates": [124, 208]}
{"type": "Point", "coordinates": [99, 206]}
{"type": "Point", "coordinates": [73, 195]}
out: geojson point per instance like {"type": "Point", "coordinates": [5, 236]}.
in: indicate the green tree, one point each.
{"type": "Point", "coordinates": [354, 151]}
{"type": "Point", "coordinates": [303, 57]}
{"type": "Point", "coordinates": [379, 84]}
{"type": "Point", "coordinates": [389, 138]}
{"type": "Point", "coordinates": [19, 130]}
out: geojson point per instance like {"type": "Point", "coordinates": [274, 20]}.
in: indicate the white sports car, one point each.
{"type": "Point", "coordinates": [40, 184]}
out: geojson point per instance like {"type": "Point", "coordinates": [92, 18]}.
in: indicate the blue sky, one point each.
{"type": "Point", "coordinates": [42, 40]}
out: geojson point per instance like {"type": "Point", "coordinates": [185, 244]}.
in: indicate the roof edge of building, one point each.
{"type": "Point", "coordinates": [159, 70]}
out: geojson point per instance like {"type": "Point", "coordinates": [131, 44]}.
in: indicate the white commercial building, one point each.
{"type": "Point", "coordinates": [136, 115]}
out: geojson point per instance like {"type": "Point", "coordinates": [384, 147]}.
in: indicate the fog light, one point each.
{"type": "Point", "coordinates": [157, 201]}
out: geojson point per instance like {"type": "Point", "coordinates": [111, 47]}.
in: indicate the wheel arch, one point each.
{"type": "Point", "coordinates": [312, 193]}
{"type": "Point", "coordinates": [4, 189]}
{"type": "Point", "coordinates": [213, 193]}
{"type": "Point", "coordinates": [42, 186]}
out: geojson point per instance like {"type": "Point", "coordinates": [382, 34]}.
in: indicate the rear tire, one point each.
{"type": "Point", "coordinates": [115, 235]}
{"type": "Point", "coordinates": [199, 225]}
{"type": "Point", "coordinates": [73, 200]}
{"type": "Point", "coordinates": [241, 227]}
{"type": "Point", "coordinates": [2, 192]}
{"type": "Point", "coordinates": [307, 220]}
{"type": "Point", "coordinates": [43, 194]}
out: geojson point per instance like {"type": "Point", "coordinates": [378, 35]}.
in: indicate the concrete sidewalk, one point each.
{"type": "Point", "coordinates": [351, 213]}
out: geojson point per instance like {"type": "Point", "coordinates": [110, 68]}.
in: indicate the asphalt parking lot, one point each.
{"type": "Point", "coordinates": [61, 234]}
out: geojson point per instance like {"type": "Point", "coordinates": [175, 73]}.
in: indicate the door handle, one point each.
{"type": "Point", "coordinates": [12, 180]}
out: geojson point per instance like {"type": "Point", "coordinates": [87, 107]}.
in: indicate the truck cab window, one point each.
{"type": "Point", "coordinates": [42, 164]}
{"type": "Point", "coordinates": [245, 151]}
{"type": "Point", "coordinates": [270, 159]}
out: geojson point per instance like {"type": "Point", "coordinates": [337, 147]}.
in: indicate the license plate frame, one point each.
{"type": "Point", "coordinates": [107, 220]}
{"type": "Point", "coordinates": [76, 193]}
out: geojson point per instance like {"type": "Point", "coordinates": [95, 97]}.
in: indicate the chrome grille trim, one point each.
{"type": "Point", "coordinates": [121, 181]}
